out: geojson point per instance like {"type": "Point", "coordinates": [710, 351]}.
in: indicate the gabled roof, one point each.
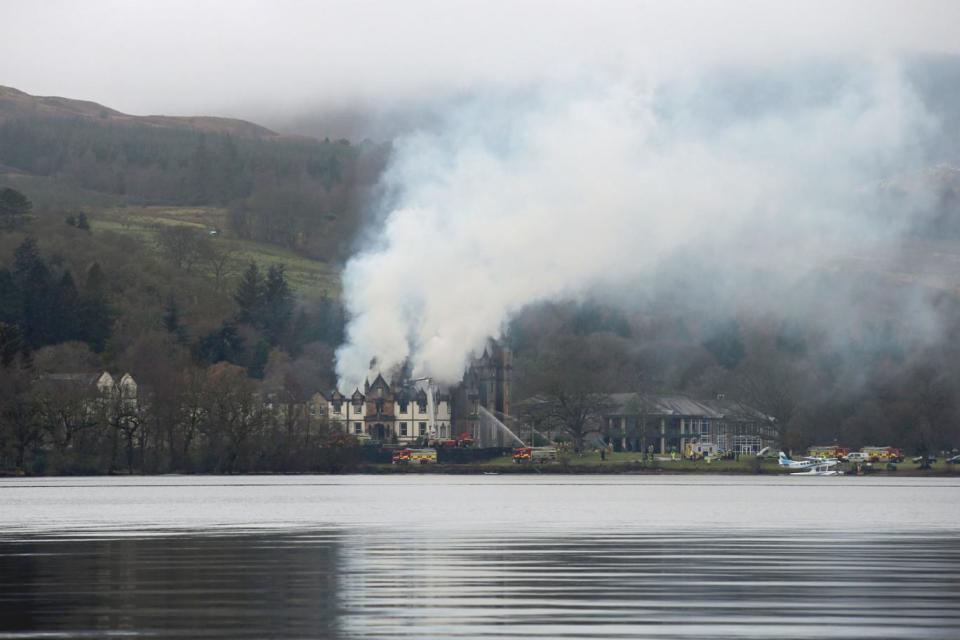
{"type": "Point", "coordinates": [379, 382]}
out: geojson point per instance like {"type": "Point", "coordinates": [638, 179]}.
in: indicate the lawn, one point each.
{"type": "Point", "coordinates": [306, 276]}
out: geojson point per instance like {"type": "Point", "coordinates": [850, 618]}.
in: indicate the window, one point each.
{"type": "Point", "coordinates": [313, 410]}
{"type": "Point", "coordinates": [704, 427]}
{"type": "Point", "coordinates": [423, 428]}
{"type": "Point", "coordinates": [337, 407]}
{"type": "Point", "coordinates": [403, 428]}
{"type": "Point", "coordinates": [357, 427]}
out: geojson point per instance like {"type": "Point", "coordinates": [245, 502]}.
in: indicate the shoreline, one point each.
{"type": "Point", "coordinates": [616, 468]}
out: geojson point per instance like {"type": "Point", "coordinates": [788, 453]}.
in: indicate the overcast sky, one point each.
{"type": "Point", "coordinates": [280, 59]}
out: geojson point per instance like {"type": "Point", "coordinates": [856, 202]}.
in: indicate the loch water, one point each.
{"type": "Point", "coordinates": [480, 557]}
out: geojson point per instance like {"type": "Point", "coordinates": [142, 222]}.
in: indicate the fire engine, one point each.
{"type": "Point", "coordinates": [882, 454]}
{"type": "Point", "coordinates": [535, 454]}
{"type": "Point", "coordinates": [415, 456]}
{"type": "Point", "coordinates": [829, 451]}
{"type": "Point", "coordinates": [464, 440]}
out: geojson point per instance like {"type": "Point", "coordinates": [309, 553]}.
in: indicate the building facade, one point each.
{"type": "Point", "coordinates": [382, 412]}
{"type": "Point", "coordinates": [404, 411]}
{"type": "Point", "coordinates": [672, 423]}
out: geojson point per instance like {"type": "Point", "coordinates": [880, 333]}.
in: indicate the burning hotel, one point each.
{"type": "Point", "coordinates": [407, 410]}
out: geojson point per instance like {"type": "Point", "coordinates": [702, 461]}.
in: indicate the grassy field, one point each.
{"type": "Point", "coordinates": [306, 276]}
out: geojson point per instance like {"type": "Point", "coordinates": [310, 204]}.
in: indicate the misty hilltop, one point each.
{"type": "Point", "coordinates": [15, 104]}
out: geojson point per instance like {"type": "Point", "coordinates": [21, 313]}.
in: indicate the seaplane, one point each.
{"type": "Point", "coordinates": [810, 466]}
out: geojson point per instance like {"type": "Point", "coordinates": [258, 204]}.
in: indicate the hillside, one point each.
{"type": "Point", "coordinates": [15, 104]}
{"type": "Point", "coordinates": [302, 194]}
{"type": "Point", "coordinates": [145, 229]}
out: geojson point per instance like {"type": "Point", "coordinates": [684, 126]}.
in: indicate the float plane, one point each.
{"type": "Point", "coordinates": [806, 463]}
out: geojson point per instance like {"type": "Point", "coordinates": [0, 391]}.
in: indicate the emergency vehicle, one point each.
{"type": "Point", "coordinates": [535, 454]}
{"type": "Point", "coordinates": [829, 451]}
{"type": "Point", "coordinates": [882, 454]}
{"type": "Point", "coordinates": [415, 456]}
{"type": "Point", "coordinates": [694, 450]}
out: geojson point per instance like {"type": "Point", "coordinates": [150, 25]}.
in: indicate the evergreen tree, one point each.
{"type": "Point", "coordinates": [9, 298]}
{"type": "Point", "coordinates": [299, 333]}
{"type": "Point", "coordinates": [82, 222]}
{"type": "Point", "coordinates": [249, 296]}
{"type": "Point", "coordinates": [13, 206]}
{"type": "Point", "coordinates": [171, 320]}
{"type": "Point", "coordinates": [277, 305]}
{"type": "Point", "coordinates": [67, 310]}
{"type": "Point", "coordinates": [11, 343]}
{"type": "Point", "coordinates": [36, 294]}
{"type": "Point", "coordinates": [96, 315]}
{"type": "Point", "coordinates": [330, 322]}
{"type": "Point", "coordinates": [222, 345]}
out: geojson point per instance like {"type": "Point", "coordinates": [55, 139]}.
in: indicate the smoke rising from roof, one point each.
{"type": "Point", "coordinates": [579, 187]}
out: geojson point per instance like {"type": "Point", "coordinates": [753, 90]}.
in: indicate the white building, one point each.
{"type": "Point", "coordinates": [403, 414]}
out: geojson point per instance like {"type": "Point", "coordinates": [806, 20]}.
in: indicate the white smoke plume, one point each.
{"type": "Point", "coordinates": [577, 187]}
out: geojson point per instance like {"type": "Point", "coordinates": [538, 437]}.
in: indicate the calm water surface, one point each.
{"type": "Point", "coordinates": [480, 557]}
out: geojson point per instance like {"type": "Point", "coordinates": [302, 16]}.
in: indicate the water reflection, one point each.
{"type": "Point", "coordinates": [172, 586]}
{"type": "Point", "coordinates": [394, 583]}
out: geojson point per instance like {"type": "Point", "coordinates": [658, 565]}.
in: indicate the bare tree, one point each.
{"type": "Point", "coordinates": [181, 245]}
{"type": "Point", "coordinates": [220, 260]}
{"type": "Point", "coordinates": [570, 385]}
{"type": "Point", "coordinates": [66, 411]}
{"type": "Point", "coordinates": [19, 414]}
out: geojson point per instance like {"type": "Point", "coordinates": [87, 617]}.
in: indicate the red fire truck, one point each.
{"type": "Point", "coordinates": [462, 441]}
{"type": "Point", "coordinates": [829, 451]}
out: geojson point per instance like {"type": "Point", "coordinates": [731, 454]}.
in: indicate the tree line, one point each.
{"type": "Point", "coordinates": [212, 419]}
{"type": "Point", "coordinates": [880, 387]}
{"type": "Point", "coordinates": [299, 193]}
{"type": "Point", "coordinates": [221, 359]}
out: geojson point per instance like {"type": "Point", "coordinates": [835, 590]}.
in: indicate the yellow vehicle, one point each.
{"type": "Point", "coordinates": [423, 456]}
{"type": "Point", "coordinates": [415, 456]}
{"type": "Point", "coordinates": [882, 454]}
{"type": "Point", "coordinates": [699, 450]}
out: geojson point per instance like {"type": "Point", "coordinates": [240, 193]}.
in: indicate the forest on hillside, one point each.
{"type": "Point", "coordinates": [303, 194]}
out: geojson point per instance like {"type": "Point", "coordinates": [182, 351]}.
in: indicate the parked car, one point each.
{"type": "Point", "coordinates": [919, 459]}
{"type": "Point", "coordinates": [954, 460]}
{"type": "Point", "coordinates": [857, 456]}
